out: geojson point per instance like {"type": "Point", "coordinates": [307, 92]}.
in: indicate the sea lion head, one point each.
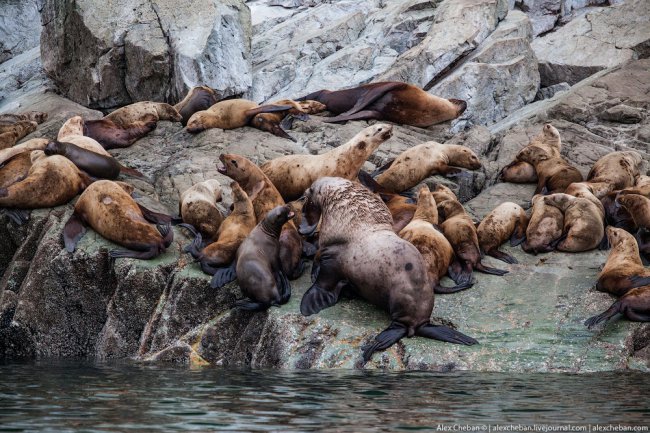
{"type": "Point", "coordinates": [269, 122]}
{"type": "Point", "coordinates": [197, 122]}
{"type": "Point", "coordinates": [464, 157]}
{"type": "Point", "coordinates": [533, 154]}
{"type": "Point", "coordinates": [615, 235]}
{"type": "Point", "coordinates": [279, 215]}
{"type": "Point", "coordinates": [235, 167]}
{"type": "Point", "coordinates": [461, 106]}
{"type": "Point", "coordinates": [449, 208]}
{"type": "Point", "coordinates": [54, 147]}
{"type": "Point", "coordinates": [73, 126]}
{"type": "Point", "coordinates": [628, 200]}
{"type": "Point", "coordinates": [167, 112]}
{"type": "Point", "coordinates": [550, 131]}
{"type": "Point", "coordinates": [314, 197]}
{"type": "Point", "coordinates": [427, 209]}
{"type": "Point", "coordinates": [560, 200]}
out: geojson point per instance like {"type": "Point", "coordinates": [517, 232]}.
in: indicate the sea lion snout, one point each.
{"type": "Point", "coordinates": [462, 105]}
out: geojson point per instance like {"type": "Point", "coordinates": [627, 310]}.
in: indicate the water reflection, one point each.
{"type": "Point", "coordinates": [51, 396]}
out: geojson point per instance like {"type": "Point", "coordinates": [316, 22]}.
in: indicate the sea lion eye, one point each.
{"type": "Point", "coordinates": [234, 162]}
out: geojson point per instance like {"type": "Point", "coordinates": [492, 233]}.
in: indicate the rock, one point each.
{"type": "Point", "coordinates": [111, 54]}
{"type": "Point", "coordinates": [623, 114]}
{"type": "Point", "coordinates": [602, 38]}
{"type": "Point", "coordinates": [550, 91]}
{"type": "Point", "coordinates": [20, 29]}
{"type": "Point", "coordinates": [15, 73]}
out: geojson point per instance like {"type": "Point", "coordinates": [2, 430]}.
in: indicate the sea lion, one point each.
{"type": "Point", "coordinates": [523, 172]}
{"type": "Point", "coordinates": [638, 207]}
{"type": "Point", "coordinates": [441, 193]}
{"type": "Point", "coordinates": [634, 305]}
{"type": "Point", "coordinates": [641, 187]}
{"type": "Point", "coordinates": [15, 170]}
{"type": "Point", "coordinates": [257, 265]}
{"type": "Point", "coordinates": [460, 231]}
{"type": "Point", "coordinates": [28, 146]}
{"type": "Point", "coordinates": [51, 181]}
{"type": "Point", "coordinates": [276, 122]}
{"type": "Point", "coordinates": [11, 133]}
{"type": "Point", "coordinates": [109, 209]}
{"type": "Point", "coordinates": [232, 232]}
{"type": "Point", "coordinates": [583, 228]}
{"type": "Point", "coordinates": [544, 226]}
{"type": "Point", "coordinates": [423, 160]}
{"type": "Point", "coordinates": [623, 270]}
{"type": "Point", "coordinates": [396, 102]}
{"type": "Point", "coordinates": [506, 221]}
{"type": "Point", "coordinates": [436, 250]}
{"type": "Point", "coordinates": [615, 214]}
{"type": "Point", "coordinates": [293, 174]}
{"type": "Point", "coordinates": [248, 175]}
{"type": "Point", "coordinates": [199, 98]}
{"type": "Point", "coordinates": [72, 131]}
{"type": "Point", "coordinates": [359, 250]}
{"type": "Point", "coordinates": [95, 164]}
{"type": "Point", "coordinates": [518, 172]}
{"type": "Point", "coordinates": [198, 208]}
{"type": "Point", "coordinates": [233, 113]}
{"type": "Point", "coordinates": [614, 171]}
{"type": "Point", "coordinates": [554, 174]}
{"type": "Point", "coordinates": [401, 208]}
{"type": "Point", "coordinates": [34, 116]}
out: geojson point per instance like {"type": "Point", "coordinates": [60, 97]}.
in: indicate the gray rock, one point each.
{"type": "Point", "coordinates": [550, 91]}
{"type": "Point", "coordinates": [20, 28]}
{"type": "Point", "coordinates": [623, 114]}
{"type": "Point", "coordinates": [15, 73]}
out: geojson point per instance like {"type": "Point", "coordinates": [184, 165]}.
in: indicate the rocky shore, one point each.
{"type": "Point", "coordinates": [513, 62]}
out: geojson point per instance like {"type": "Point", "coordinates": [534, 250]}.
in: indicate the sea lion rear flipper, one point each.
{"type": "Point", "coordinates": [361, 115]}
{"type": "Point", "coordinates": [154, 217]}
{"type": "Point", "coordinates": [129, 254]}
{"type": "Point", "coordinates": [553, 244]}
{"type": "Point", "coordinates": [247, 304]}
{"type": "Point", "coordinates": [635, 316]}
{"type": "Point", "coordinates": [442, 290]}
{"type": "Point", "coordinates": [73, 231]}
{"type": "Point", "coordinates": [224, 276]}
{"type": "Point", "coordinates": [492, 271]}
{"type": "Point", "coordinates": [130, 171]}
{"type": "Point", "coordinates": [443, 333]}
{"type": "Point", "coordinates": [284, 287]}
{"type": "Point", "coordinates": [504, 257]}
{"type": "Point", "coordinates": [167, 233]}
{"type": "Point", "coordinates": [17, 216]}
{"type": "Point", "coordinates": [177, 220]}
{"type": "Point", "coordinates": [372, 95]}
{"type": "Point", "coordinates": [386, 338]}
{"type": "Point", "coordinates": [605, 316]}
{"type": "Point", "coordinates": [455, 172]}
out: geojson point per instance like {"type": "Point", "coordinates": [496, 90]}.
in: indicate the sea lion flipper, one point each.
{"type": "Point", "coordinates": [129, 254]}
{"type": "Point", "coordinates": [361, 115]}
{"type": "Point", "coordinates": [638, 281]}
{"type": "Point", "coordinates": [73, 231]}
{"type": "Point", "coordinates": [247, 304]}
{"type": "Point", "coordinates": [316, 299]}
{"type": "Point", "coordinates": [308, 249]}
{"type": "Point", "coordinates": [130, 171]}
{"type": "Point", "coordinates": [504, 257]}
{"type": "Point", "coordinates": [224, 276]}
{"type": "Point", "coordinates": [383, 168]}
{"type": "Point", "coordinates": [518, 236]}
{"type": "Point", "coordinates": [605, 316]}
{"type": "Point", "coordinates": [492, 271]}
{"type": "Point", "coordinates": [154, 217]}
{"type": "Point", "coordinates": [271, 108]}
{"type": "Point", "coordinates": [372, 95]}
{"type": "Point", "coordinates": [442, 290]}
{"type": "Point", "coordinates": [386, 338]}
{"type": "Point", "coordinates": [284, 287]}
{"type": "Point", "coordinates": [18, 216]}
{"type": "Point", "coordinates": [443, 333]}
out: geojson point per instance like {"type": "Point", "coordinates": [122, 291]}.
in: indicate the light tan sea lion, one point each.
{"type": "Point", "coordinates": [198, 208]}
{"type": "Point", "coordinates": [507, 221]}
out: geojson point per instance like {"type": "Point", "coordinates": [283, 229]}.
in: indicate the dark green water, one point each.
{"type": "Point", "coordinates": [60, 397]}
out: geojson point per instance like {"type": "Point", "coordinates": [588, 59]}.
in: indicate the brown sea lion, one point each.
{"type": "Point", "coordinates": [519, 172]}
{"type": "Point", "coordinates": [426, 159]}
{"type": "Point", "coordinates": [359, 250]}
{"type": "Point", "coordinates": [584, 226]}
{"type": "Point", "coordinates": [436, 250]}
{"type": "Point", "coordinates": [293, 174]}
{"type": "Point", "coordinates": [51, 181]}
{"type": "Point", "coordinates": [460, 231]}
{"type": "Point", "coordinates": [544, 226]}
{"type": "Point", "coordinates": [554, 174]}
{"type": "Point", "coordinates": [623, 269]}
{"type": "Point", "coordinates": [15, 170]}
{"type": "Point", "coordinates": [232, 232]}
{"type": "Point", "coordinates": [257, 265]}
{"type": "Point", "coordinates": [641, 187]}
{"type": "Point", "coordinates": [634, 305]}
{"type": "Point", "coordinates": [109, 209]}
{"type": "Point", "coordinates": [615, 171]}
{"type": "Point", "coordinates": [197, 207]}
{"type": "Point", "coordinates": [401, 208]}
{"type": "Point", "coordinates": [271, 122]}
{"type": "Point", "coordinates": [34, 116]}
{"type": "Point", "coordinates": [11, 133]}
{"type": "Point", "coordinates": [638, 207]}
{"type": "Point", "coordinates": [248, 175]}
{"type": "Point", "coordinates": [233, 113]}
{"type": "Point", "coordinates": [72, 131]}
{"type": "Point", "coordinates": [506, 221]}
{"type": "Point", "coordinates": [441, 193]}
{"type": "Point", "coordinates": [199, 98]}
{"type": "Point", "coordinates": [396, 102]}
{"type": "Point", "coordinates": [523, 172]}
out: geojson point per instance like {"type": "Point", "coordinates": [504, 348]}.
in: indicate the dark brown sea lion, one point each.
{"type": "Point", "coordinates": [198, 208]}
{"type": "Point", "coordinates": [396, 102]}
{"type": "Point", "coordinates": [584, 226]}
{"type": "Point", "coordinates": [623, 269]}
{"type": "Point", "coordinates": [507, 221]}
{"type": "Point", "coordinates": [232, 232]}
{"type": "Point", "coordinates": [554, 174]}
{"type": "Point", "coordinates": [359, 250]}
{"type": "Point", "coordinates": [109, 209]}
{"type": "Point", "coordinates": [436, 250]}
{"type": "Point", "coordinates": [544, 226]}
{"type": "Point", "coordinates": [249, 175]}
{"type": "Point", "coordinates": [426, 159]}
{"type": "Point", "coordinates": [257, 268]}
{"type": "Point", "coordinates": [614, 171]}
{"type": "Point", "coordinates": [634, 305]}
{"type": "Point", "coordinates": [615, 214]}
{"type": "Point", "coordinates": [199, 98]}
{"type": "Point", "coordinates": [72, 131]}
{"type": "Point", "coordinates": [293, 174]}
{"type": "Point", "coordinates": [11, 133]}
{"type": "Point", "coordinates": [460, 231]}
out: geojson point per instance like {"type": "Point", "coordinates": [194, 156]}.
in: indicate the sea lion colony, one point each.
{"type": "Point", "coordinates": [368, 234]}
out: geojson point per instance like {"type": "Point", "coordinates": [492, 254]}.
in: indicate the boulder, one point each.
{"type": "Point", "coordinates": [105, 55]}
{"type": "Point", "coordinates": [20, 28]}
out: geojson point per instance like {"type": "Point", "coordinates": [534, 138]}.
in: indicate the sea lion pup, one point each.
{"type": "Point", "coordinates": [95, 164]}
{"type": "Point", "coordinates": [396, 102]}
{"type": "Point", "coordinates": [108, 208]}
{"type": "Point", "coordinates": [257, 265]}
{"type": "Point", "coordinates": [198, 208]}
{"type": "Point", "coordinates": [615, 171]}
{"type": "Point", "coordinates": [232, 232]}
{"type": "Point", "coordinates": [544, 226]}
{"type": "Point", "coordinates": [249, 175]}
{"type": "Point", "coordinates": [360, 250]}
{"type": "Point", "coordinates": [554, 174]}
{"type": "Point", "coordinates": [638, 207]}
{"type": "Point", "coordinates": [231, 114]}
{"type": "Point", "coordinates": [506, 221]}
{"type": "Point", "coordinates": [199, 98]}
{"type": "Point", "coordinates": [293, 174]}
{"type": "Point", "coordinates": [34, 116]}
{"type": "Point", "coordinates": [518, 172]}
{"type": "Point", "coordinates": [623, 270]}
{"type": "Point", "coordinates": [584, 226]}
{"type": "Point", "coordinates": [51, 181]}
{"type": "Point", "coordinates": [424, 160]}
{"type": "Point", "coordinates": [401, 208]}
{"type": "Point", "coordinates": [11, 133]}
{"type": "Point", "coordinates": [72, 131]}
{"type": "Point", "coordinates": [460, 231]}
{"type": "Point", "coordinates": [436, 250]}
{"type": "Point", "coordinates": [634, 305]}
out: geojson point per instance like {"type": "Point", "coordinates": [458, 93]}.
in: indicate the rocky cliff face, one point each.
{"type": "Point", "coordinates": [53, 303]}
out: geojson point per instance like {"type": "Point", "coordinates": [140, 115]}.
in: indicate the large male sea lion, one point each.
{"type": "Point", "coordinates": [506, 221]}
{"type": "Point", "coordinates": [109, 209]}
{"type": "Point", "coordinates": [359, 250]}
{"type": "Point", "coordinates": [199, 98]}
{"type": "Point", "coordinates": [634, 305]}
{"type": "Point", "coordinates": [584, 226]}
{"type": "Point", "coordinates": [197, 207]}
{"type": "Point", "coordinates": [623, 269]}
{"type": "Point", "coordinates": [293, 174]}
{"type": "Point", "coordinates": [544, 227]}
{"type": "Point", "coordinates": [392, 101]}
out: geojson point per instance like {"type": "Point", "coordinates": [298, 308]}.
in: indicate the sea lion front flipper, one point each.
{"type": "Point", "coordinates": [317, 298]}
{"type": "Point", "coordinates": [605, 316]}
{"type": "Point", "coordinates": [247, 304]}
{"type": "Point", "coordinates": [284, 287]}
{"type": "Point", "coordinates": [638, 281]}
{"type": "Point", "coordinates": [386, 338]}
{"type": "Point", "coordinates": [442, 290]}
{"type": "Point", "coordinates": [73, 231]}
{"type": "Point", "coordinates": [518, 235]}
{"type": "Point", "coordinates": [504, 257]}
{"type": "Point", "coordinates": [455, 270]}
{"type": "Point", "coordinates": [129, 254]}
{"type": "Point", "coordinates": [154, 217]}
{"type": "Point", "coordinates": [167, 233]}
{"type": "Point", "coordinates": [635, 316]}
{"type": "Point", "coordinates": [492, 271]}
{"type": "Point", "coordinates": [224, 276]}
{"type": "Point", "coordinates": [17, 216]}
{"type": "Point", "coordinates": [361, 115]}
{"type": "Point", "coordinates": [443, 333]}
